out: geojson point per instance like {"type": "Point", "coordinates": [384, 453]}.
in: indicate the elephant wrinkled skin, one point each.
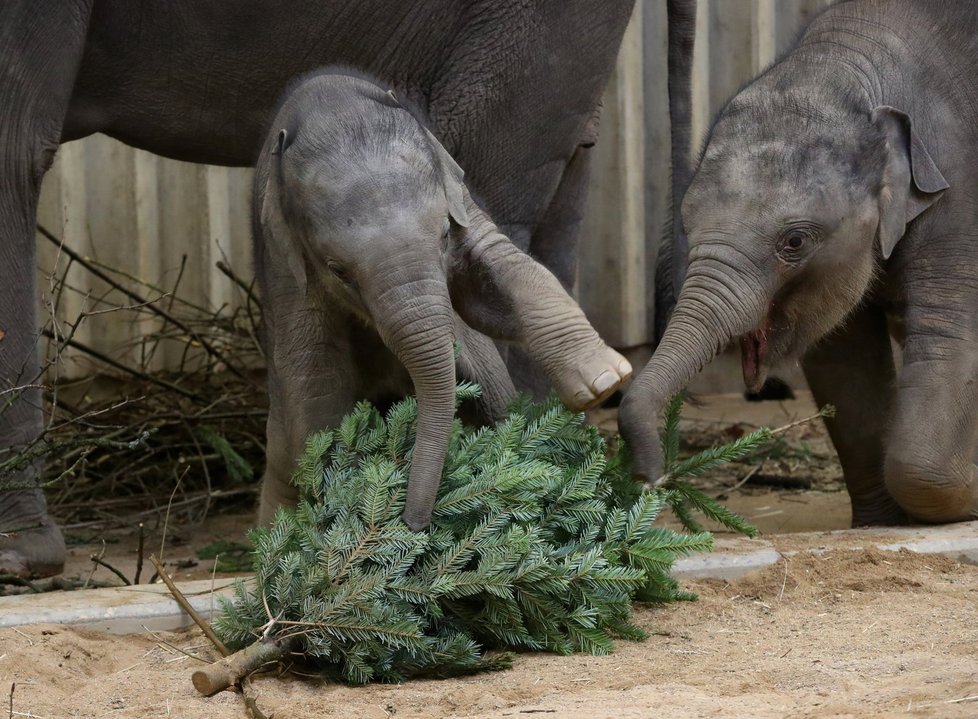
{"type": "Point", "coordinates": [367, 245]}
{"type": "Point", "coordinates": [838, 195]}
{"type": "Point", "coordinates": [510, 88]}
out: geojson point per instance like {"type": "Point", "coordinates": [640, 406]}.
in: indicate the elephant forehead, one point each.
{"type": "Point", "coordinates": [372, 190]}
{"type": "Point", "coordinates": [775, 159]}
{"type": "Point", "coordinates": [775, 174]}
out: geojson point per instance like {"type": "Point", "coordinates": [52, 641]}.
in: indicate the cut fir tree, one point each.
{"type": "Point", "coordinates": [540, 540]}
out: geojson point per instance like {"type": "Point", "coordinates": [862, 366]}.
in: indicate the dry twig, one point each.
{"type": "Point", "coordinates": [188, 608]}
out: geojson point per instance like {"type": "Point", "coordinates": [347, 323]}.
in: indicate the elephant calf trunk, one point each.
{"type": "Point", "coordinates": [707, 315]}
{"type": "Point", "coordinates": [416, 322]}
{"type": "Point", "coordinates": [435, 388]}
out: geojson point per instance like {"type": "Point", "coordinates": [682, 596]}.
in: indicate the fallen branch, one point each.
{"type": "Point", "coordinates": [55, 584]}
{"type": "Point", "coordinates": [186, 606]}
{"type": "Point", "coordinates": [159, 311]}
{"type": "Point", "coordinates": [101, 357]}
{"type": "Point", "coordinates": [102, 563]}
{"type": "Point", "coordinates": [231, 670]}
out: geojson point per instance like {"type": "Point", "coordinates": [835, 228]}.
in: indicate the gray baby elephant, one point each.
{"type": "Point", "coordinates": [837, 198]}
{"type": "Point", "coordinates": [373, 260]}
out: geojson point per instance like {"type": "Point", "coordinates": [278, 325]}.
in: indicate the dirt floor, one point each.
{"type": "Point", "coordinates": [834, 634]}
{"type": "Point", "coordinates": [838, 634]}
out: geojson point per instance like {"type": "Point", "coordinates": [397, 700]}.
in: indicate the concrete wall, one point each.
{"type": "Point", "coordinates": [162, 220]}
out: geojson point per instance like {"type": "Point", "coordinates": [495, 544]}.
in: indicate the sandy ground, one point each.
{"type": "Point", "coordinates": [837, 634]}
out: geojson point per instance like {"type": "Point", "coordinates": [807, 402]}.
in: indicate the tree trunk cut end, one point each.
{"type": "Point", "coordinates": [229, 671]}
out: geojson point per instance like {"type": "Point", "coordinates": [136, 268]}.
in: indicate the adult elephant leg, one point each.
{"type": "Point", "coordinates": [852, 369]}
{"type": "Point", "coordinates": [41, 43]}
{"type": "Point", "coordinates": [311, 385]}
{"type": "Point", "coordinates": [503, 292]}
{"type": "Point", "coordinates": [930, 458]}
{"type": "Point", "coordinates": [673, 256]}
{"type": "Point", "coordinates": [479, 361]}
{"type": "Point", "coordinates": [555, 242]}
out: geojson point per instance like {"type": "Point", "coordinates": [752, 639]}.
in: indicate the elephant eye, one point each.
{"type": "Point", "coordinates": [337, 269]}
{"type": "Point", "coordinates": [795, 243]}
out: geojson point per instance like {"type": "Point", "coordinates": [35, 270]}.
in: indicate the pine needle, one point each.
{"type": "Point", "coordinates": [682, 497]}
{"type": "Point", "coordinates": [539, 541]}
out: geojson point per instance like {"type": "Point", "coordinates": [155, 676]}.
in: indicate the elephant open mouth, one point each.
{"type": "Point", "coordinates": [754, 352]}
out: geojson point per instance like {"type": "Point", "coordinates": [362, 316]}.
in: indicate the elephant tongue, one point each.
{"type": "Point", "coordinates": [753, 351]}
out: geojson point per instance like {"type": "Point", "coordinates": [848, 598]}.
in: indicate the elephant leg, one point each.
{"type": "Point", "coordinates": [504, 293]}
{"type": "Point", "coordinates": [554, 244]}
{"type": "Point", "coordinates": [852, 369]}
{"type": "Point", "coordinates": [479, 361]}
{"type": "Point", "coordinates": [41, 43]}
{"type": "Point", "coordinates": [555, 241]}
{"type": "Point", "coordinates": [930, 459]}
{"type": "Point", "coordinates": [311, 385]}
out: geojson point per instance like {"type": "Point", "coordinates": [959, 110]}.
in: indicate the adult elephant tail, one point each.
{"type": "Point", "coordinates": [674, 249]}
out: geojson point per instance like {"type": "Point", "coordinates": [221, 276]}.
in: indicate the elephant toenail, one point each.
{"type": "Point", "coordinates": [582, 400]}
{"type": "Point", "coordinates": [625, 368]}
{"type": "Point", "coordinates": [605, 381]}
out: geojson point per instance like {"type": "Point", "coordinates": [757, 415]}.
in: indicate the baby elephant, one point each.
{"type": "Point", "coordinates": [837, 198]}
{"type": "Point", "coordinates": [373, 260]}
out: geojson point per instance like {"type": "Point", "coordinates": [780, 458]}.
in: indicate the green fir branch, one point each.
{"type": "Point", "coordinates": [540, 541]}
{"type": "Point", "coordinates": [682, 497]}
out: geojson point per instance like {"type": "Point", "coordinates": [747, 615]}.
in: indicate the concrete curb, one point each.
{"type": "Point", "coordinates": [117, 610]}
{"type": "Point", "coordinates": [731, 560]}
{"type": "Point", "coordinates": [724, 566]}
{"type": "Point", "coordinates": [125, 610]}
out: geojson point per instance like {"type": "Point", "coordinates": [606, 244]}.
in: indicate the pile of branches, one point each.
{"type": "Point", "coordinates": [540, 540]}
{"type": "Point", "coordinates": [129, 439]}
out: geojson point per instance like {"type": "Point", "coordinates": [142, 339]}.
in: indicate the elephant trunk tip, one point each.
{"type": "Point", "coordinates": [416, 519]}
{"type": "Point", "coordinates": [637, 424]}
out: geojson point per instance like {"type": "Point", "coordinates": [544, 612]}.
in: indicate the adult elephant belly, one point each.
{"type": "Point", "coordinates": [508, 85]}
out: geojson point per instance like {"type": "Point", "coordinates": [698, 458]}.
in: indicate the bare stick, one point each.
{"type": "Point", "coordinates": [743, 480]}
{"type": "Point", "coordinates": [169, 505]}
{"type": "Point", "coordinates": [119, 366]}
{"type": "Point", "coordinates": [174, 647]}
{"type": "Point", "coordinates": [208, 347]}
{"type": "Point", "coordinates": [102, 563]}
{"type": "Point", "coordinates": [94, 566]}
{"type": "Point", "coordinates": [185, 605]}
{"type": "Point", "coordinates": [139, 553]}
{"type": "Point", "coordinates": [251, 700]}
{"type": "Point", "coordinates": [226, 269]}
{"type": "Point", "coordinates": [826, 411]}
{"type": "Point", "coordinates": [231, 670]}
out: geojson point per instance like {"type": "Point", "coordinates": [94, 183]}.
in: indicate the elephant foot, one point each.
{"type": "Point", "coordinates": [879, 513]}
{"type": "Point", "coordinates": [277, 491]}
{"type": "Point", "coordinates": [31, 544]}
{"type": "Point", "coordinates": [592, 378]}
{"type": "Point", "coordinates": [33, 553]}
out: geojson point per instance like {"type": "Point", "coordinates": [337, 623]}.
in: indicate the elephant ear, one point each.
{"type": "Point", "coordinates": [911, 180]}
{"type": "Point", "coordinates": [278, 237]}
{"type": "Point", "coordinates": [453, 179]}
